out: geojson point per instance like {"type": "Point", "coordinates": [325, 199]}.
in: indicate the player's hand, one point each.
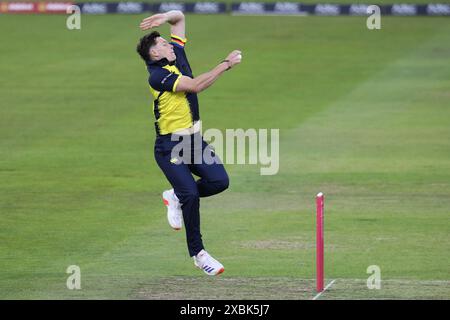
{"type": "Point", "coordinates": [234, 58]}
{"type": "Point", "coordinates": [153, 21]}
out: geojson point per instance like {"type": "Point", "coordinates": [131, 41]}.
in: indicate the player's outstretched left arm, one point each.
{"type": "Point", "coordinates": [205, 80]}
{"type": "Point", "coordinates": [175, 18]}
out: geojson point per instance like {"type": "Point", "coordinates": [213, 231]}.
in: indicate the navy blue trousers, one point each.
{"type": "Point", "coordinates": [213, 179]}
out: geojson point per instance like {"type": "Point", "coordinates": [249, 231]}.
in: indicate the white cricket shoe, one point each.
{"type": "Point", "coordinates": [174, 213]}
{"type": "Point", "coordinates": [208, 264]}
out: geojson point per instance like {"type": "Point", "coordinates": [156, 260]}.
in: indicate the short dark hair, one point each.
{"type": "Point", "coordinates": [145, 43]}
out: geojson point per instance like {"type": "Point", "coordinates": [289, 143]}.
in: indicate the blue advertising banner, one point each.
{"type": "Point", "coordinates": [140, 7]}
{"type": "Point", "coordinates": [191, 7]}
{"type": "Point", "coordinates": [237, 8]}
{"type": "Point", "coordinates": [114, 7]}
{"type": "Point", "coordinates": [293, 8]}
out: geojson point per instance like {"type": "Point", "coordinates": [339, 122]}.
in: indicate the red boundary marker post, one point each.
{"type": "Point", "coordinates": [319, 242]}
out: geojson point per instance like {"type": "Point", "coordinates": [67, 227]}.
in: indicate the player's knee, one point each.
{"type": "Point", "coordinates": [190, 195]}
{"type": "Point", "coordinates": [222, 184]}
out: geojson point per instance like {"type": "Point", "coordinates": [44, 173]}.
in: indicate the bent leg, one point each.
{"type": "Point", "coordinates": [187, 192]}
{"type": "Point", "coordinates": [213, 177]}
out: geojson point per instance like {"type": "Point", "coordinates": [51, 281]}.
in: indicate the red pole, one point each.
{"type": "Point", "coordinates": [319, 241]}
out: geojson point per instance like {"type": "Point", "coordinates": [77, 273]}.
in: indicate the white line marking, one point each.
{"type": "Point", "coordinates": [320, 293]}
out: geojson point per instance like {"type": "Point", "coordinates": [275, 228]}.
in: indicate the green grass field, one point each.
{"type": "Point", "coordinates": [364, 116]}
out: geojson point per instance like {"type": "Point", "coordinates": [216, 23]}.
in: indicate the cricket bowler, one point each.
{"type": "Point", "coordinates": [176, 110]}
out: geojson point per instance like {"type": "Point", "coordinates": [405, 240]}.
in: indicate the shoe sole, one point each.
{"type": "Point", "coordinates": [166, 203]}
{"type": "Point", "coordinates": [221, 270]}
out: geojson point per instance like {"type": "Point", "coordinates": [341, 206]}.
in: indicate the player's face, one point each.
{"type": "Point", "coordinates": [164, 49]}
